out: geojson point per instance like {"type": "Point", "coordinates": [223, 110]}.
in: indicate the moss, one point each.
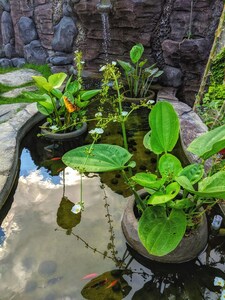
{"type": "Point", "coordinates": [218, 68]}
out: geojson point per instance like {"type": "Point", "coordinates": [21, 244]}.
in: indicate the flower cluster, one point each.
{"type": "Point", "coordinates": [218, 281]}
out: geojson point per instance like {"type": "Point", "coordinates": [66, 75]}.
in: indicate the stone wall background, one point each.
{"type": "Point", "coordinates": [49, 31]}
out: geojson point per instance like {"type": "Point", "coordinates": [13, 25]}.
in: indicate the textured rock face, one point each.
{"type": "Point", "coordinates": [176, 34]}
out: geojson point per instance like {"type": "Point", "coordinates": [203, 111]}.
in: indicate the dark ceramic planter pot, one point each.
{"type": "Point", "coordinates": [151, 96]}
{"type": "Point", "coordinates": [61, 137]}
{"type": "Point", "coordinates": [188, 249]}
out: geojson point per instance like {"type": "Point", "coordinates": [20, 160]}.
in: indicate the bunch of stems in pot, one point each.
{"type": "Point", "coordinates": [138, 77]}
{"type": "Point", "coordinates": [64, 103]}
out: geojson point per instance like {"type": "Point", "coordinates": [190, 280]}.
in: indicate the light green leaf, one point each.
{"type": "Point", "coordinates": [169, 165]}
{"type": "Point", "coordinates": [146, 140]}
{"type": "Point", "coordinates": [136, 53]}
{"type": "Point", "coordinates": [102, 158]}
{"type": "Point", "coordinates": [161, 234]}
{"type": "Point", "coordinates": [181, 203]}
{"type": "Point", "coordinates": [45, 107]}
{"type": "Point", "coordinates": [57, 79]}
{"type": "Point", "coordinates": [87, 95]}
{"type": "Point", "coordinates": [148, 180]}
{"type": "Point", "coordinates": [164, 124]}
{"type": "Point", "coordinates": [126, 66]}
{"type": "Point", "coordinates": [162, 197]}
{"type": "Point", "coordinates": [213, 186]}
{"type": "Point", "coordinates": [73, 87]}
{"type": "Point", "coordinates": [209, 143]}
{"type": "Point", "coordinates": [193, 172]}
{"type": "Point", "coordinates": [42, 83]}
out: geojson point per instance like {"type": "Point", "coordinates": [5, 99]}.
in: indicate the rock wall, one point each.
{"type": "Point", "coordinates": [177, 35]}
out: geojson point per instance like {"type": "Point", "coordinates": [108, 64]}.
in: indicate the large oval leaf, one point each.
{"type": "Point", "coordinates": [57, 79]}
{"type": "Point", "coordinates": [169, 166]}
{"type": "Point", "coordinates": [161, 234]}
{"type": "Point", "coordinates": [164, 124]}
{"type": "Point", "coordinates": [213, 186]}
{"type": "Point", "coordinates": [86, 95]}
{"type": "Point", "coordinates": [102, 158]}
{"type": "Point", "coordinates": [209, 143]}
{"type": "Point", "coordinates": [136, 53]}
{"type": "Point", "coordinates": [42, 83]}
{"type": "Point", "coordinates": [127, 67]}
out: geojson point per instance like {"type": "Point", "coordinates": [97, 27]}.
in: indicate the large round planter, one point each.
{"type": "Point", "coordinates": [188, 249]}
{"type": "Point", "coordinates": [70, 136]}
{"type": "Point", "coordinates": [151, 96]}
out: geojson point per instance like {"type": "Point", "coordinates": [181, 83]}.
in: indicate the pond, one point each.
{"type": "Point", "coordinates": [47, 252]}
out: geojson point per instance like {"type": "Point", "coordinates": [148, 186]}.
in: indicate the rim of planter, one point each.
{"type": "Point", "coordinates": [188, 249]}
{"type": "Point", "coordinates": [151, 96]}
{"type": "Point", "coordinates": [63, 136]}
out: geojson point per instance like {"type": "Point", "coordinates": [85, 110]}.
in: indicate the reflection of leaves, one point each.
{"type": "Point", "coordinates": [148, 292]}
{"type": "Point", "coordinates": [65, 218]}
{"type": "Point", "coordinates": [110, 285]}
{"type": "Point", "coordinates": [54, 165]}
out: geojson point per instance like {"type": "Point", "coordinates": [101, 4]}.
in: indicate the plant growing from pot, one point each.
{"type": "Point", "coordinates": [64, 107]}
{"type": "Point", "coordinates": [138, 77]}
{"type": "Point", "coordinates": [177, 197]}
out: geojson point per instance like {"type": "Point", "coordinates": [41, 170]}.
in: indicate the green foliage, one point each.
{"type": "Point", "coordinates": [218, 68]}
{"type": "Point", "coordinates": [164, 124]}
{"type": "Point", "coordinates": [138, 78]}
{"type": "Point", "coordinates": [159, 233]}
{"type": "Point", "coordinates": [97, 158]}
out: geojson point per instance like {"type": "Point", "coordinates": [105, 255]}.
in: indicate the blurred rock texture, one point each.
{"type": "Point", "coordinates": [176, 34]}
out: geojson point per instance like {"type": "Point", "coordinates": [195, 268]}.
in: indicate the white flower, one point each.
{"type": "Point", "coordinates": [53, 127]}
{"type": "Point", "coordinates": [113, 63]}
{"type": "Point", "coordinates": [124, 113]}
{"type": "Point", "coordinates": [222, 297]}
{"type": "Point", "coordinates": [92, 131]}
{"type": "Point", "coordinates": [99, 130]}
{"type": "Point", "coordinates": [218, 281]}
{"type": "Point", "coordinates": [102, 68]}
{"type": "Point", "coordinates": [150, 102]}
{"type": "Point", "coordinates": [82, 62]}
{"type": "Point", "coordinates": [98, 114]}
{"type": "Point", "coordinates": [76, 209]}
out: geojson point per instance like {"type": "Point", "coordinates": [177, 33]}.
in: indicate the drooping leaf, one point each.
{"type": "Point", "coordinates": [89, 94]}
{"type": "Point", "coordinates": [163, 197]}
{"type": "Point", "coordinates": [45, 107]}
{"type": "Point", "coordinates": [161, 234]}
{"type": "Point", "coordinates": [169, 165]}
{"type": "Point", "coordinates": [209, 143]}
{"type": "Point", "coordinates": [148, 180]}
{"type": "Point", "coordinates": [127, 67]}
{"type": "Point", "coordinates": [57, 79]}
{"type": "Point", "coordinates": [193, 172]}
{"type": "Point", "coordinates": [102, 158]}
{"type": "Point", "coordinates": [164, 124]}
{"type": "Point", "coordinates": [213, 186]}
{"type": "Point", "coordinates": [146, 140]}
{"type": "Point", "coordinates": [136, 53]}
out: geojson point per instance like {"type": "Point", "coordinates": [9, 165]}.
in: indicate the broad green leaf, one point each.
{"type": "Point", "coordinates": [185, 183]}
{"type": "Point", "coordinates": [213, 186]}
{"type": "Point", "coordinates": [36, 96]}
{"type": "Point", "coordinates": [209, 143]}
{"type": "Point", "coordinates": [142, 63]}
{"type": "Point", "coordinates": [45, 107]}
{"type": "Point", "coordinates": [89, 94]}
{"type": "Point", "coordinates": [148, 180]}
{"type": "Point", "coordinates": [193, 172]}
{"type": "Point", "coordinates": [159, 73]}
{"type": "Point", "coordinates": [169, 165]}
{"type": "Point", "coordinates": [42, 82]}
{"type": "Point", "coordinates": [161, 234]}
{"type": "Point", "coordinates": [126, 66]}
{"type": "Point", "coordinates": [56, 80]}
{"type": "Point", "coordinates": [102, 158]}
{"type": "Point", "coordinates": [170, 193]}
{"type": "Point", "coordinates": [136, 53]}
{"type": "Point", "coordinates": [164, 124]}
{"type": "Point", "coordinates": [73, 87]}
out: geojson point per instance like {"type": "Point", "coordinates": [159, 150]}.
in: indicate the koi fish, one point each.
{"type": "Point", "coordinates": [89, 276]}
{"type": "Point", "coordinates": [113, 283]}
{"type": "Point", "coordinates": [55, 158]}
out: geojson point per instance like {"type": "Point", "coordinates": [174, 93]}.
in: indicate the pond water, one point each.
{"type": "Point", "coordinates": [48, 253]}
